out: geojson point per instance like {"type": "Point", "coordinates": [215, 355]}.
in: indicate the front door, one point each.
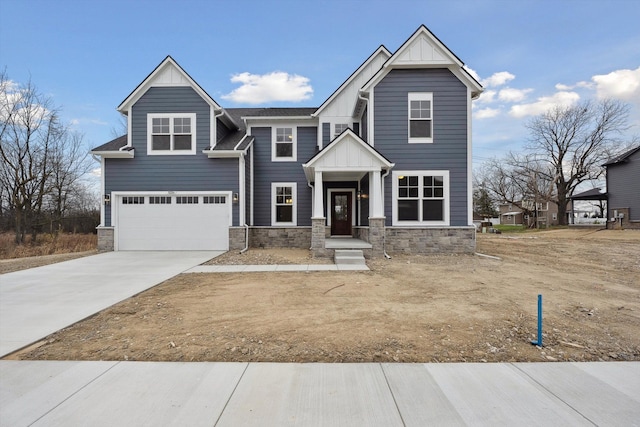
{"type": "Point", "coordinates": [341, 213]}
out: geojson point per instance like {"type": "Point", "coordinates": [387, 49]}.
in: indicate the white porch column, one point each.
{"type": "Point", "coordinates": [318, 205]}
{"type": "Point", "coordinates": [376, 209]}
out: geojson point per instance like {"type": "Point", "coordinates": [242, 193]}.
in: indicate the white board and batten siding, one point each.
{"type": "Point", "coordinates": [172, 221]}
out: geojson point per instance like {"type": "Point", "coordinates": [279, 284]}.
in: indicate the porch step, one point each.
{"type": "Point", "coordinates": [349, 257]}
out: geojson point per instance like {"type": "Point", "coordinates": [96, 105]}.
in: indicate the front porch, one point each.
{"type": "Point", "coordinates": [348, 199]}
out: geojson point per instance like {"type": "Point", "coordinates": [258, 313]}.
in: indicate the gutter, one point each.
{"type": "Point", "coordinates": [246, 238]}
{"type": "Point", "coordinates": [384, 241]}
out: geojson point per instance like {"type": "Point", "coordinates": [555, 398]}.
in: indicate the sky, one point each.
{"type": "Point", "coordinates": [89, 55]}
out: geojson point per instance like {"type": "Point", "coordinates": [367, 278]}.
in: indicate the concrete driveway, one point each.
{"type": "Point", "coordinates": [37, 302]}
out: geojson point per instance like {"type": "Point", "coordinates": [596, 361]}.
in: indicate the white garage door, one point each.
{"type": "Point", "coordinates": [184, 222]}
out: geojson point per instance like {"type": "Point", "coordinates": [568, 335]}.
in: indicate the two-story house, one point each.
{"type": "Point", "coordinates": [385, 160]}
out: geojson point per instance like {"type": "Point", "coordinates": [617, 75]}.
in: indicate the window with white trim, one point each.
{"type": "Point", "coordinates": [284, 145]}
{"type": "Point", "coordinates": [283, 201]}
{"type": "Point", "coordinates": [420, 117]}
{"type": "Point", "coordinates": [339, 128]}
{"type": "Point", "coordinates": [171, 133]}
{"type": "Point", "coordinates": [421, 197]}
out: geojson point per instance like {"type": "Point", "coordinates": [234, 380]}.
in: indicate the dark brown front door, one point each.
{"type": "Point", "coordinates": [341, 214]}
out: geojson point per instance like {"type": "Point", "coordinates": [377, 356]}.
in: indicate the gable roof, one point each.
{"type": "Point", "coordinates": [424, 49]}
{"type": "Point", "coordinates": [622, 157]}
{"type": "Point", "coordinates": [381, 51]}
{"type": "Point", "coordinates": [347, 153]}
{"type": "Point", "coordinates": [170, 73]}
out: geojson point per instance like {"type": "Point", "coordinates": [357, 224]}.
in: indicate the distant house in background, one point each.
{"type": "Point", "coordinates": [547, 213]}
{"type": "Point", "coordinates": [510, 214]}
{"type": "Point", "coordinates": [623, 190]}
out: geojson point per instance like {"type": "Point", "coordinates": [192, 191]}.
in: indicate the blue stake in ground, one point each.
{"type": "Point", "coordinates": [539, 341]}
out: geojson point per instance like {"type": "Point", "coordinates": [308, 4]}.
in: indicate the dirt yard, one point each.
{"type": "Point", "coordinates": [408, 309]}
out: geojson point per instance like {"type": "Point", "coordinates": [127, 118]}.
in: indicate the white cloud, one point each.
{"type": "Point", "coordinates": [563, 87]}
{"type": "Point", "coordinates": [620, 84]}
{"type": "Point", "coordinates": [486, 113]}
{"type": "Point", "coordinates": [487, 96]}
{"type": "Point", "coordinates": [513, 95]}
{"type": "Point", "coordinates": [544, 103]}
{"type": "Point", "coordinates": [498, 79]}
{"type": "Point", "coordinates": [271, 87]}
{"type": "Point", "coordinates": [97, 172]}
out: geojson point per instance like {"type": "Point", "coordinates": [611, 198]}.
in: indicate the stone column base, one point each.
{"type": "Point", "coordinates": [376, 236]}
{"type": "Point", "coordinates": [105, 239]}
{"type": "Point", "coordinates": [318, 238]}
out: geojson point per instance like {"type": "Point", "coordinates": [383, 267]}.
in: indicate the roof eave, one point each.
{"type": "Point", "coordinates": [120, 154]}
{"type": "Point", "coordinates": [224, 154]}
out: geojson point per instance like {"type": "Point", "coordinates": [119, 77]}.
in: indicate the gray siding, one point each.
{"type": "Point", "coordinates": [266, 172]}
{"type": "Point", "coordinates": [221, 130]}
{"type": "Point", "coordinates": [449, 148]}
{"type": "Point", "coordinates": [170, 173]}
{"type": "Point", "coordinates": [623, 186]}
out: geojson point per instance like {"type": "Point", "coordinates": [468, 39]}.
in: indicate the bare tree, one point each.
{"type": "Point", "coordinates": [41, 160]}
{"type": "Point", "coordinates": [69, 162]}
{"type": "Point", "coordinates": [519, 180]}
{"type": "Point", "coordinates": [572, 143]}
{"type": "Point", "coordinates": [29, 126]}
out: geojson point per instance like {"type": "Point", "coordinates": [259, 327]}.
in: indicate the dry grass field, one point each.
{"type": "Point", "coordinates": [45, 250]}
{"type": "Point", "coordinates": [409, 309]}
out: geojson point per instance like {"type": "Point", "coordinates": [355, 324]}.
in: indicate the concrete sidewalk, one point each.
{"type": "Point", "coordinates": [37, 302]}
{"type": "Point", "coordinates": [271, 394]}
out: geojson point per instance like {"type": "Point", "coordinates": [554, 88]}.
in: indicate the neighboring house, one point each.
{"type": "Point", "coordinates": [545, 212]}
{"type": "Point", "coordinates": [623, 190]}
{"type": "Point", "coordinates": [510, 214]}
{"type": "Point", "coordinates": [385, 159]}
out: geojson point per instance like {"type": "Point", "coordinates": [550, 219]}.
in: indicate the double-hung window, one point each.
{"type": "Point", "coordinates": [171, 134]}
{"type": "Point", "coordinates": [283, 201]}
{"type": "Point", "coordinates": [421, 197]}
{"type": "Point", "coordinates": [420, 117]}
{"type": "Point", "coordinates": [284, 146]}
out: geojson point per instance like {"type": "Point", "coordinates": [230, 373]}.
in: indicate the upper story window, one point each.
{"type": "Point", "coordinates": [284, 145]}
{"type": "Point", "coordinates": [421, 197]}
{"type": "Point", "coordinates": [420, 117]}
{"type": "Point", "coordinates": [171, 134]}
{"type": "Point", "coordinates": [339, 128]}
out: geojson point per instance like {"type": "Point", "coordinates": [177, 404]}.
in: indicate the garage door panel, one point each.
{"type": "Point", "coordinates": [173, 226]}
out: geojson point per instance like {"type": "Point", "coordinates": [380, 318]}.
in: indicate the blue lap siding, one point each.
{"type": "Point", "coordinates": [449, 148]}
{"type": "Point", "coordinates": [266, 172]}
{"type": "Point", "coordinates": [171, 173]}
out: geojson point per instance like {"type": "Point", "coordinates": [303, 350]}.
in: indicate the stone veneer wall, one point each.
{"type": "Point", "coordinates": [280, 237]}
{"type": "Point", "coordinates": [105, 239]}
{"type": "Point", "coordinates": [430, 240]}
{"type": "Point", "coordinates": [236, 238]}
